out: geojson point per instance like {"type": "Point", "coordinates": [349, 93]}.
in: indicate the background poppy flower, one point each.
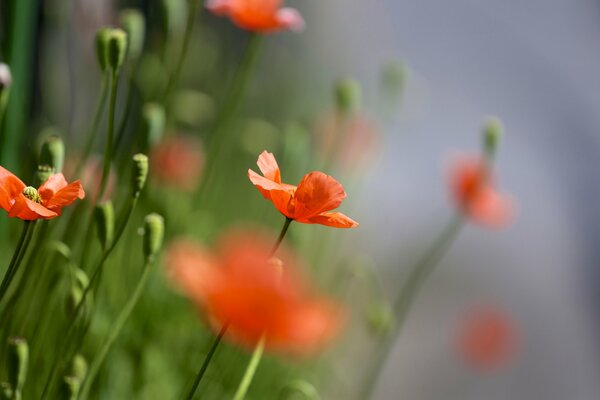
{"type": "Point", "coordinates": [258, 15]}
{"type": "Point", "coordinates": [240, 285]}
{"type": "Point", "coordinates": [472, 187]}
{"type": "Point", "coordinates": [310, 202]}
{"type": "Point", "coordinates": [27, 203]}
{"type": "Point", "coordinates": [177, 161]}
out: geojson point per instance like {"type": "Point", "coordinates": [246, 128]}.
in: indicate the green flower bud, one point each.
{"type": "Point", "coordinates": [492, 132]}
{"type": "Point", "coordinates": [18, 357]}
{"type": "Point", "coordinates": [53, 153]}
{"type": "Point", "coordinates": [79, 367]}
{"type": "Point", "coordinates": [154, 230]}
{"type": "Point", "coordinates": [347, 95]}
{"type": "Point", "coordinates": [6, 392]}
{"type": "Point", "coordinates": [69, 388]}
{"type": "Point", "coordinates": [153, 124]}
{"type": "Point", "coordinates": [140, 173]}
{"type": "Point", "coordinates": [117, 48]}
{"type": "Point", "coordinates": [105, 222]}
{"type": "Point", "coordinates": [42, 174]}
{"type": "Point", "coordinates": [102, 39]}
{"type": "Point", "coordinates": [134, 25]}
{"type": "Point", "coordinates": [381, 318]}
{"type": "Point", "coordinates": [173, 15]}
{"type": "Point", "coordinates": [72, 302]}
{"type": "Point", "coordinates": [298, 389]}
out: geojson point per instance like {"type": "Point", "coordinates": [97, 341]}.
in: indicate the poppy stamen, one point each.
{"type": "Point", "coordinates": [32, 194]}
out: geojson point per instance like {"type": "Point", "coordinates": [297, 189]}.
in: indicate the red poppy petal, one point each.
{"type": "Point", "coordinates": [333, 219]}
{"type": "Point", "coordinates": [289, 18]}
{"type": "Point", "coordinates": [10, 187]}
{"type": "Point", "coordinates": [263, 184]}
{"type": "Point", "coordinates": [490, 208]}
{"type": "Point", "coordinates": [28, 210]}
{"type": "Point", "coordinates": [52, 185]}
{"type": "Point", "coordinates": [268, 166]}
{"type": "Point", "coordinates": [317, 193]}
{"type": "Point", "coordinates": [66, 196]}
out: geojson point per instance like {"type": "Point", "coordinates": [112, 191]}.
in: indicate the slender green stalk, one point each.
{"type": "Point", "coordinates": [114, 80]}
{"type": "Point", "coordinates": [116, 329]}
{"type": "Point", "coordinates": [18, 255]}
{"type": "Point", "coordinates": [189, 27]}
{"type": "Point", "coordinates": [242, 389]}
{"type": "Point", "coordinates": [416, 278]}
{"type": "Point", "coordinates": [125, 117]}
{"type": "Point", "coordinates": [284, 230]}
{"type": "Point", "coordinates": [207, 360]}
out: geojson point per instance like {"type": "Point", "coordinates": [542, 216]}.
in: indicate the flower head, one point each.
{"type": "Point", "coordinates": [256, 295]}
{"type": "Point", "coordinates": [472, 187]}
{"type": "Point", "coordinates": [46, 202]}
{"type": "Point", "coordinates": [310, 202]}
{"type": "Point", "coordinates": [178, 161]}
{"type": "Point", "coordinates": [262, 16]}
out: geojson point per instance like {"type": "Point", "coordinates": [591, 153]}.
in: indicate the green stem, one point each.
{"type": "Point", "coordinates": [114, 80]}
{"type": "Point", "coordinates": [93, 131]}
{"type": "Point", "coordinates": [207, 359]}
{"type": "Point", "coordinates": [416, 278]}
{"type": "Point", "coordinates": [284, 230]}
{"type": "Point", "coordinates": [115, 330]}
{"type": "Point", "coordinates": [18, 255]}
{"type": "Point", "coordinates": [189, 27]}
{"type": "Point", "coordinates": [250, 370]}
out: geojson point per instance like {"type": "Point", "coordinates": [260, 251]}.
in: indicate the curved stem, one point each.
{"type": "Point", "coordinates": [115, 330]}
{"type": "Point", "coordinates": [108, 147]}
{"type": "Point", "coordinates": [250, 370]}
{"type": "Point", "coordinates": [204, 367]}
{"type": "Point", "coordinates": [284, 230]}
{"type": "Point", "coordinates": [17, 257]}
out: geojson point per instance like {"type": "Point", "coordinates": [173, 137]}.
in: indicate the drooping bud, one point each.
{"type": "Point", "coordinates": [72, 302]}
{"type": "Point", "coordinates": [381, 318]}
{"type": "Point", "coordinates": [17, 360]}
{"type": "Point", "coordinates": [492, 132]}
{"type": "Point", "coordinates": [154, 230]}
{"type": "Point", "coordinates": [105, 222]}
{"type": "Point", "coordinates": [139, 174]}
{"type": "Point", "coordinates": [134, 24]}
{"type": "Point", "coordinates": [53, 153]}
{"type": "Point", "coordinates": [79, 367]}
{"type": "Point", "coordinates": [69, 388]}
{"type": "Point", "coordinates": [102, 39]}
{"type": "Point", "coordinates": [42, 174]}
{"type": "Point", "coordinates": [153, 124]}
{"type": "Point", "coordinates": [347, 95]}
{"type": "Point", "coordinates": [117, 48]}
{"type": "Point", "coordinates": [32, 194]}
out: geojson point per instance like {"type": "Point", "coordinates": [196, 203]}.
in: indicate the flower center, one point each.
{"type": "Point", "coordinates": [32, 194]}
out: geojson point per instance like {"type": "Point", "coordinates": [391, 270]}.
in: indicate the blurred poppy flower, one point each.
{"type": "Point", "coordinates": [177, 161]}
{"type": "Point", "coordinates": [473, 189]}
{"type": "Point", "coordinates": [310, 202]}
{"type": "Point", "coordinates": [487, 338]}
{"type": "Point", "coordinates": [262, 16]}
{"type": "Point", "coordinates": [28, 203]}
{"type": "Point", "coordinates": [242, 286]}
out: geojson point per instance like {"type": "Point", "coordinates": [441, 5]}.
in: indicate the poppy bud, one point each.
{"type": "Point", "coordinates": [154, 229]}
{"type": "Point", "coordinates": [6, 392]}
{"type": "Point", "coordinates": [69, 388]}
{"type": "Point", "coordinates": [72, 301]}
{"type": "Point", "coordinates": [153, 124]}
{"type": "Point", "coordinates": [17, 359]}
{"type": "Point", "coordinates": [117, 47]}
{"type": "Point", "coordinates": [134, 25]}
{"type": "Point", "coordinates": [105, 221]}
{"type": "Point", "coordinates": [492, 131]}
{"type": "Point", "coordinates": [78, 368]}
{"type": "Point", "coordinates": [140, 173]}
{"type": "Point", "coordinates": [173, 15]}
{"type": "Point", "coordinates": [102, 39]}
{"type": "Point", "coordinates": [381, 318]}
{"type": "Point", "coordinates": [5, 77]}
{"type": "Point", "coordinates": [347, 95]}
{"type": "Point", "coordinates": [42, 174]}
{"type": "Point", "coordinates": [53, 153]}
{"type": "Point", "coordinates": [299, 389]}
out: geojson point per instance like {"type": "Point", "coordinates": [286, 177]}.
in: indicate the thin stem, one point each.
{"type": "Point", "coordinates": [250, 370]}
{"type": "Point", "coordinates": [416, 278]}
{"type": "Point", "coordinates": [189, 27]}
{"type": "Point", "coordinates": [115, 330]}
{"type": "Point", "coordinates": [284, 230]}
{"type": "Point", "coordinates": [17, 257]}
{"type": "Point", "coordinates": [207, 359]}
{"type": "Point", "coordinates": [108, 147]}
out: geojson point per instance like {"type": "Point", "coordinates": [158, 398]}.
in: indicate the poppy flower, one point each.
{"type": "Point", "coordinates": [473, 188]}
{"type": "Point", "coordinates": [310, 202]}
{"type": "Point", "coordinates": [487, 338]}
{"type": "Point", "coordinates": [256, 295]}
{"type": "Point", "coordinates": [262, 16]}
{"type": "Point", "coordinates": [177, 161]}
{"type": "Point", "coordinates": [28, 203]}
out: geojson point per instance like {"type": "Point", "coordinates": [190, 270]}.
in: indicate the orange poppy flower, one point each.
{"type": "Point", "coordinates": [310, 202]}
{"type": "Point", "coordinates": [28, 203]}
{"type": "Point", "coordinates": [178, 162]}
{"type": "Point", "coordinates": [262, 16]}
{"type": "Point", "coordinates": [472, 187]}
{"type": "Point", "coordinates": [242, 286]}
{"type": "Point", "coordinates": [487, 338]}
